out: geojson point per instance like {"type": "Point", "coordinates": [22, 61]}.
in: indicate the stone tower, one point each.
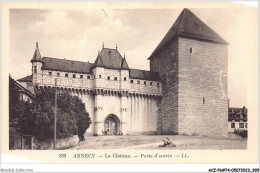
{"type": "Point", "coordinates": [37, 64]}
{"type": "Point", "coordinates": [110, 70]}
{"type": "Point", "coordinates": [192, 61]}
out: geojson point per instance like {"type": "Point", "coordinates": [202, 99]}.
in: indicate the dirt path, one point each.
{"type": "Point", "coordinates": [156, 144]}
{"type": "Point", "coordinates": [153, 142]}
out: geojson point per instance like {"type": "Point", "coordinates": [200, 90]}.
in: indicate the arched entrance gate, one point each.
{"type": "Point", "coordinates": [112, 125]}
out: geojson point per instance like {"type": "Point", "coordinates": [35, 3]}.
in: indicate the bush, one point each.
{"type": "Point", "coordinates": [72, 117]}
{"type": "Point", "coordinates": [241, 132]}
{"type": "Point", "coordinates": [37, 118]}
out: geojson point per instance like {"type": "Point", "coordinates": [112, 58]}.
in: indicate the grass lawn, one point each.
{"type": "Point", "coordinates": [153, 142]}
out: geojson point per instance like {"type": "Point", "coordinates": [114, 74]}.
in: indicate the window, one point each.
{"type": "Point", "coordinates": [241, 125]}
{"type": "Point", "coordinates": [58, 74]}
{"type": "Point", "coordinates": [191, 50]}
{"type": "Point", "coordinates": [81, 76]}
{"type": "Point", "coordinates": [115, 78]}
{"type": "Point", "coordinates": [50, 73]}
{"type": "Point", "coordinates": [158, 84]}
{"type": "Point", "coordinates": [145, 82]}
{"type": "Point", "coordinates": [246, 125]}
{"type": "Point", "coordinates": [99, 76]}
{"type": "Point", "coordinates": [88, 77]}
{"type": "Point", "coordinates": [131, 81]}
{"type": "Point", "coordinates": [203, 100]}
{"type": "Point", "coordinates": [138, 82]}
{"type": "Point", "coordinates": [94, 76]}
{"type": "Point", "coordinates": [232, 125]}
{"type": "Point", "coordinates": [124, 78]}
{"type": "Point", "coordinates": [66, 75]}
{"type": "Point", "coordinates": [108, 78]}
{"type": "Point", "coordinates": [74, 75]}
{"type": "Point", "coordinates": [28, 85]}
{"type": "Point", "coordinates": [35, 69]}
{"type": "Point", "coordinates": [151, 83]}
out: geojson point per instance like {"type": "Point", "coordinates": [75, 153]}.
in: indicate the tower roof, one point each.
{"type": "Point", "coordinates": [36, 55]}
{"type": "Point", "coordinates": [110, 58]}
{"type": "Point", "coordinates": [190, 26]}
{"type": "Point", "coordinates": [124, 64]}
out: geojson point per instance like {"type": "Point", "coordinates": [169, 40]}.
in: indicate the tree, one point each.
{"type": "Point", "coordinates": [17, 110]}
{"type": "Point", "coordinates": [72, 117]}
{"type": "Point", "coordinates": [37, 118]}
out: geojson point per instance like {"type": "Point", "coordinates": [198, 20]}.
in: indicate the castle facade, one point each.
{"type": "Point", "coordinates": [185, 91]}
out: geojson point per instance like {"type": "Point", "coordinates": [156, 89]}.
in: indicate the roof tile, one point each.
{"type": "Point", "coordinates": [66, 65]}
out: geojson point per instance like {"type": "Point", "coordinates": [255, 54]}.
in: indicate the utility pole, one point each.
{"type": "Point", "coordinates": [55, 114]}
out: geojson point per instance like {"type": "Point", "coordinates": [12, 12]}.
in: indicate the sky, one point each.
{"type": "Point", "coordinates": [79, 35]}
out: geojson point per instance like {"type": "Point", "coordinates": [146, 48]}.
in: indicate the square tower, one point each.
{"type": "Point", "coordinates": [192, 61]}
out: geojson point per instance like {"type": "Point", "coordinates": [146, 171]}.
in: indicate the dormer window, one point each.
{"type": "Point", "coordinates": [74, 76]}
{"type": "Point", "coordinates": [151, 83]}
{"type": "Point", "coordinates": [88, 77]}
{"type": "Point", "coordinates": [50, 73]}
{"type": "Point", "coordinates": [81, 76]}
{"type": "Point", "coordinates": [145, 82]}
{"type": "Point", "coordinates": [131, 81]}
{"type": "Point", "coordinates": [138, 82]}
{"type": "Point", "coordinates": [66, 75]}
{"type": "Point", "coordinates": [58, 74]}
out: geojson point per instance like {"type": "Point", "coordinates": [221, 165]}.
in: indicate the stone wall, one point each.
{"type": "Point", "coordinates": [61, 144]}
{"type": "Point", "coordinates": [66, 82]}
{"type": "Point", "coordinates": [99, 80]}
{"type": "Point", "coordinates": [202, 90]}
{"type": "Point", "coordinates": [166, 63]}
{"type": "Point", "coordinates": [142, 115]}
{"type": "Point", "coordinates": [194, 87]}
{"type": "Point", "coordinates": [141, 112]}
{"type": "Point", "coordinates": [88, 99]}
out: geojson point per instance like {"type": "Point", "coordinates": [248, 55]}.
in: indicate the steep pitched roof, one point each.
{"type": "Point", "coordinates": [26, 79]}
{"type": "Point", "coordinates": [124, 64]}
{"type": "Point", "coordinates": [21, 88]}
{"type": "Point", "coordinates": [110, 58]}
{"type": "Point", "coordinates": [98, 62]}
{"type": "Point", "coordinates": [36, 55]}
{"type": "Point", "coordinates": [189, 25]}
{"type": "Point", "coordinates": [145, 75]}
{"type": "Point", "coordinates": [66, 65]}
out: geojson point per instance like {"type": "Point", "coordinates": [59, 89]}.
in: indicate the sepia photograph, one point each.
{"type": "Point", "coordinates": [127, 78]}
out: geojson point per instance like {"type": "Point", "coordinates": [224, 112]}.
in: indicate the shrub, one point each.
{"type": "Point", "coordinates": [241, 132]}
{"type": "Point", "coordinates": [72, 117]}
{"type": "Point", "coordinates": [37, 118]}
